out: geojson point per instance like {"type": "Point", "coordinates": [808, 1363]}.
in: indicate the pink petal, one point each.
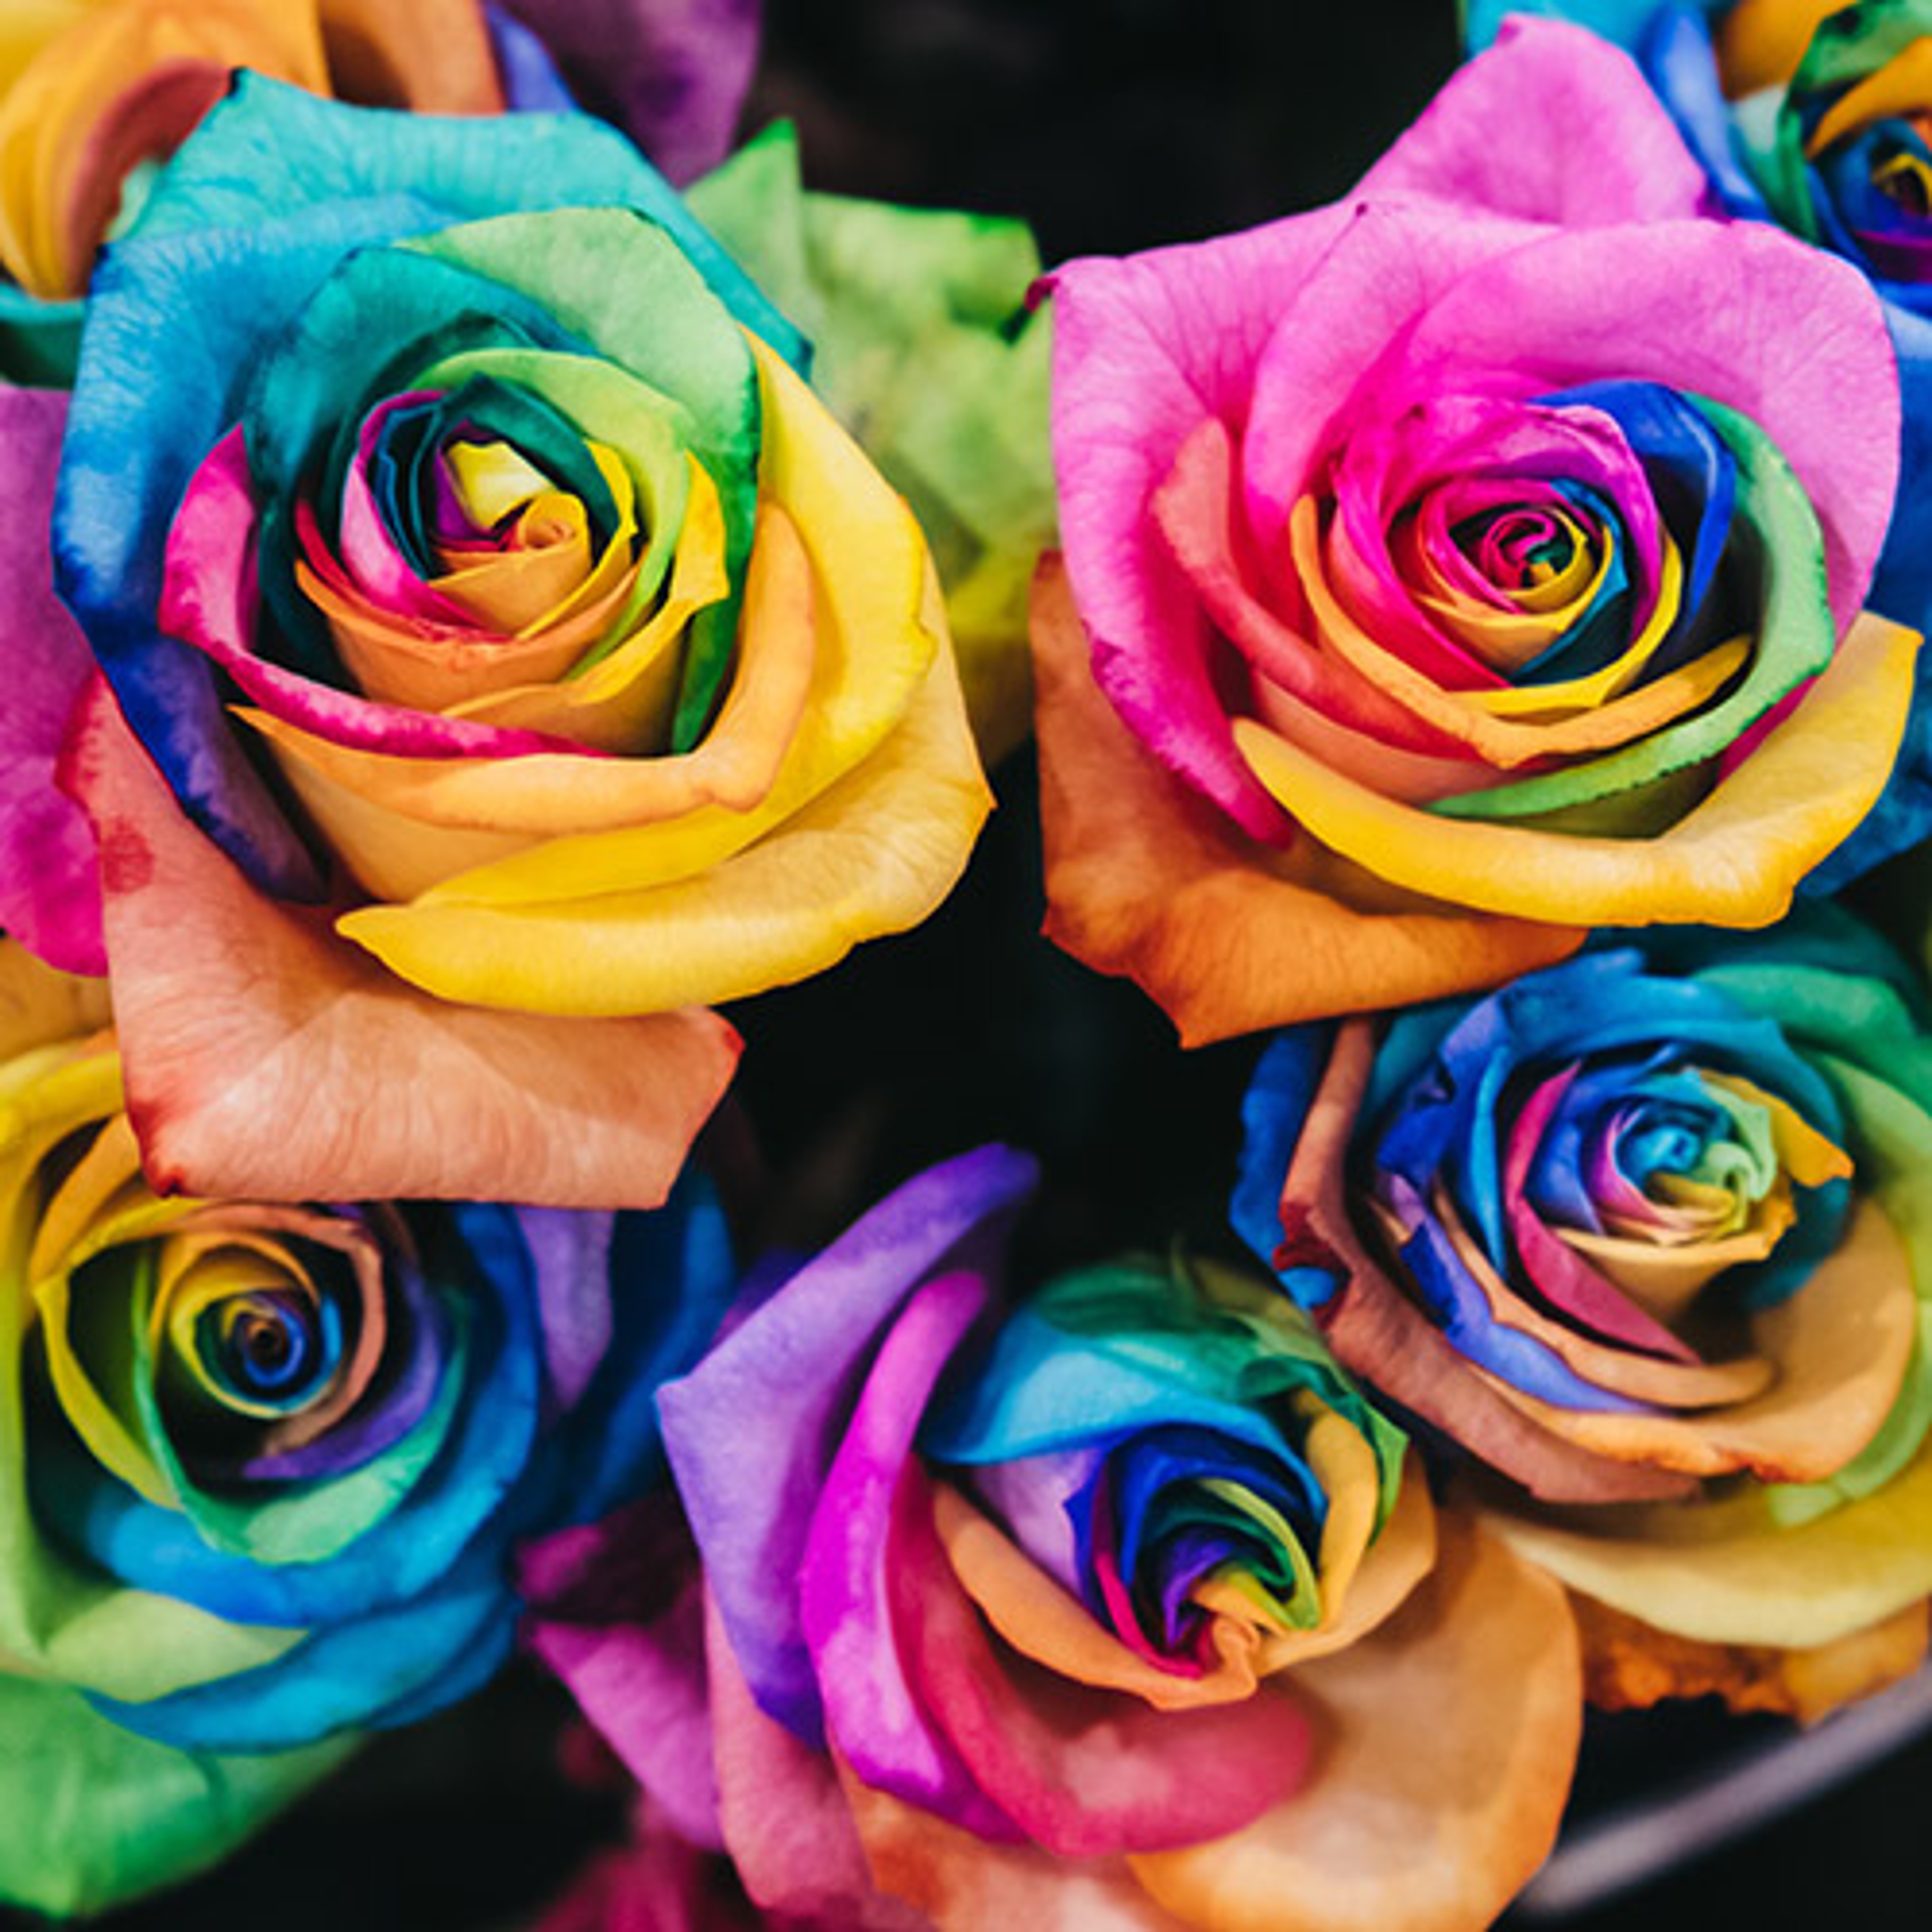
{"type": "Point", "coordinates": [1552, 124]}
{"type": "Point", "coordinates": [1786, 335]}
{"type": "Point", "coordinates": [1145, 349]}
{"type": "Point", "coordinates": [786, 1823]}
{"type": "Point", "coordinates": [1087, 1772]}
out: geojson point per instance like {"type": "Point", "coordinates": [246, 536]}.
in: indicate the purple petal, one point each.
{"type": "Point", "coordinates": [752, 1430]}
{"type": "Point", "coordinates": [570, 1251]}
{"type": "Point", "coordinates": [672, 73]}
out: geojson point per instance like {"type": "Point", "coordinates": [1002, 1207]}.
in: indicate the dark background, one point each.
{"type": "Point", "coordinates": [1112, 125]}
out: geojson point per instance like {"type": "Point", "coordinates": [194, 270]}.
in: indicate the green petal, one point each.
{"type": "Point", "coordinates": [922, 350]}
{"type": "Point", "coordinates": [91, 1816]}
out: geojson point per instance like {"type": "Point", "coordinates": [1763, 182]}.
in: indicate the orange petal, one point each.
{"type": "Point", "coordinates": [1451, 1735]}
{"type": "Point", "coordinates": [265, 1057]}
{"type": "Point", "coordinates": [1146, 881]}
{"type": "Point", "coordinates": [432, 56]}
{"type": "Point", "coordinates": [1760, 42]}
{"type": "Point", "coordinates": [1628, 1665]}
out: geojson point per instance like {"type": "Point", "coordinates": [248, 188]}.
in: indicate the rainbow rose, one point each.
{"type": "Point", "coordinates": [1814, 116]}
{"type": "Point", "coordinates": [263, 1466]}
{"type": "Point", "coordinates": [521, 659]}
{"type": "Point", "coordinates": [1456, 579]}
{"type": "Point", "coordinates": [96, 94]}
{"type": "Point", "coordinates": [1644, 1235]}
{"type": "Point", "coordinates": [1035, 1618]}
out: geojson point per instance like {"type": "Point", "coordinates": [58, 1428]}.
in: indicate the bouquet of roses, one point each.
{"type": "Point", "coordinates": [497, 578]}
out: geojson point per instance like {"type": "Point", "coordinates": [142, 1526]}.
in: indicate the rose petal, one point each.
{"type": "Point", "coordinates": [674, 72]}
{"type": "Point", "coordinates": [782, 1379]}
{"type": "Point", "coordinates": [957, 1880]}
{"type": "Point", "coordinates": [873, 854]}
{"type": "Point", "coordinates": [1451, 1736]}
{"type": "Point", "coordinates": [1841, 1346]}
{"type": "Point", "coordinates": [260, 1018]}
{"type": "Point", "coordinates": [1553, 125]}
{"type": "Point", "coordinates": [50, 895]}
{"type": "Point", "coordinates": [1628, 1665]}
{"type": "Point", "coordinates": [1379, 1333]}
{"type": "Point", "coordinates": [785, 1821]}
{"type": "Point", "coordinates": [1085, 1772]}
{"type": "Point", "coordinates": [1735, 859]}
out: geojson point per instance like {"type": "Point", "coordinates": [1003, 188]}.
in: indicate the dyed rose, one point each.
{"type": "Point", "coordinates": [1645, 1233]}
{"type": "Point", "coordinates": [1457, 578]}
{"type": "Point", "coordinates": [1813, 116]}
{"type": "Point", "coordinates": [513, 629]}
{"type": "Point", "coordinates": [1046, 1642]}
{"type": "Point", "coordinates": [95, 94]}
{"type": "Point", "coordinates": [263, 1466]}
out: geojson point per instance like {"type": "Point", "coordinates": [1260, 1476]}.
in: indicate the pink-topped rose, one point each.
{"type": "Point", "coordinates": [1471, 563]}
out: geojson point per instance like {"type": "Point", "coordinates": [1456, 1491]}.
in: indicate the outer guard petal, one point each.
{"type": "Point", "coordinates": [241, 1021]}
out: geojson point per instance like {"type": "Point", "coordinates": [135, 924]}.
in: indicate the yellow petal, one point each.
{"type": "Point", "coordinates": [404, 825]}
{"type": "Point", "coordinates": [1760, 42]}
{"type": "Point", "coordinates": [874, 854]}
{"type": "Point", "coordinates": [1726, 1573]}
{"type": "Point", "coordinates": [1145, 880]}
{"type": "Point", "coordinates": [1735, 859]}
{"type": "Point", "coordinates": [58, 188]}
{"type": "Point", "coordinates": [1902, 86]}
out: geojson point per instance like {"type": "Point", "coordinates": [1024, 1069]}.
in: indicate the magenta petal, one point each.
{"type": "Point", "coordinates": [1390, 265]}
{"type": "Point", "coordinates": [1786, 335]}
{"type": "Point", "coordinates": [376, 567]}
{"type": "Point", "coordinates": [642, 1684]}
{"type": "Point", "coordinates": [1552, 123]}
{"type": "Point", "coordinates": [847, 1581]}
{"type": "Point", "coordinates": [49, 888]}
{"type": "Point", "coordinates": [616, 1608]}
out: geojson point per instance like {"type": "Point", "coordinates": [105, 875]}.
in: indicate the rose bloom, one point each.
{"type": "Point", "coordinates": [266, 1465]}
{"type": "Point", "coordinates": [1813, 116]}
{"type": "Point", "coordinates": [1036, 1619]}
{"type": "Point", "coordinates": [1443, 576]}
{"type": "Point", "coordinates": [1643, 1234]}
{"type": "Point", "coordinates": [94, 93]}
{"type": "Point", "coordinates": [510, 657]}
